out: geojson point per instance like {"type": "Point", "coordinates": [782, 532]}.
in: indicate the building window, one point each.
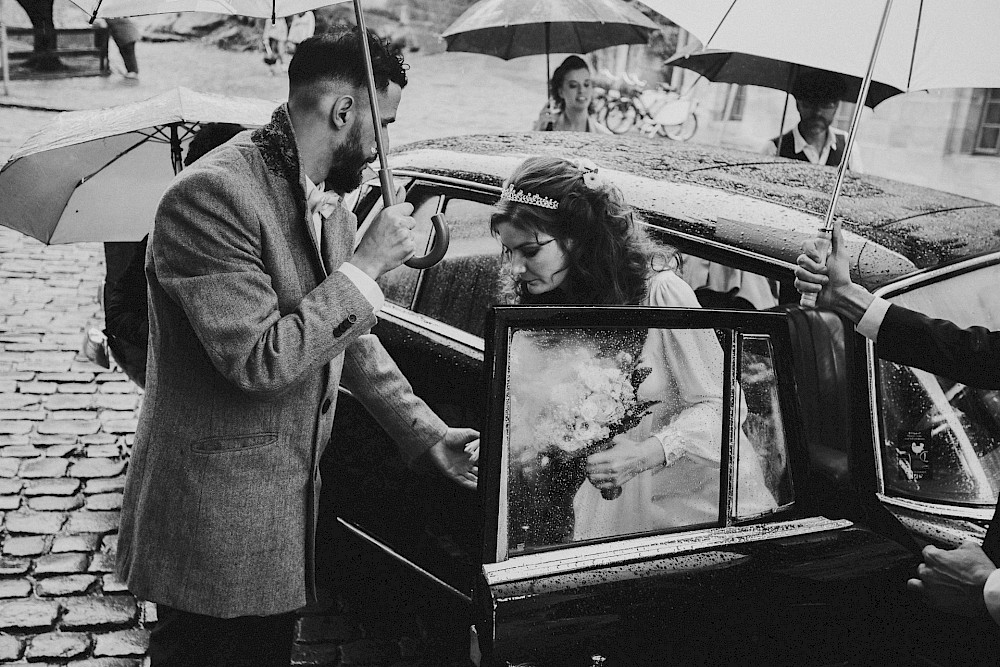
{"type": "Point", "coordinates": [988, 135]}
{"type": "Point", "coordinates": [739, 103]}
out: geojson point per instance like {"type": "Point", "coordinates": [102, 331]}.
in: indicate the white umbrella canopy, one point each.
{"type": "Point", "coordinates": [927, 43]}
{"type": "Point", "coordinates": [98, 9]}
{"type": "Point", "coordinates": [98, 174]}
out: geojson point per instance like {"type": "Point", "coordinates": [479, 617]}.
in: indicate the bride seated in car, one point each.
{"type": "Point", "coordinates": [568, 238]}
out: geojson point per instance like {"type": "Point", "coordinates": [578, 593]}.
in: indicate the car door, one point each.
{"type": "Point", "coordinates": [382, 522]}
{"type": "Point", "coordinates": [937, 442]}
{"type": "Point", "coordinates": [742, 582]}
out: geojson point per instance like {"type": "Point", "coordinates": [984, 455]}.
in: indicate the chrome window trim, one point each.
{"type": "Point", "coordinates": [885, 292]}
{"type": "Point", "coordinates": [437, 330]}
{"type": "Point", "coordinates": [573, 559]}
{"type": "Point", "coordinates": [939, 509]}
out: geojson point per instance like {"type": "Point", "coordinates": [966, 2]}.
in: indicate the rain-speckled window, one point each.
{"type": "Point", "coordinates": [588, 407]}
{"type": "Point", "coordinates": [460, 289]}
{"type": "Point", "coordinates": [941, 439]}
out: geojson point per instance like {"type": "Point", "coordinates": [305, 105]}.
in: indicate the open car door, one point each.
{"type": "Point", "coordinates": [717, 558]}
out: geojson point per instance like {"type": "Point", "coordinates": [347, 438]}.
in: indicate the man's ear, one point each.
{"type": "Point", "coordinates": [340, 112]}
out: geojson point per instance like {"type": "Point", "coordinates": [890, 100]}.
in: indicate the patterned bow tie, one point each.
{"type": "Point", "coordinates": [322, 202]}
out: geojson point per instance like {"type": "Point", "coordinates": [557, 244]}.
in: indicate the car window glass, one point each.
{"type": "Point", "coordinates": [762, 436]}
{"type": "Point", "coordinates": [941, 439]}
{"type": "Point", "coordinates": [460, 288]}
{"type": "Point", "coordinates": [572, 390]}
{"type": "Point", "coordinates": [399, 285]}
{"type": "Point", "coordinates": [719, 286]}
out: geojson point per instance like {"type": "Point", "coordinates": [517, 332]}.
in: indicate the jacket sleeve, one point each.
{"type": "Point", "coordinates": [207, 256]}
{"type": "Point", "coordinates": [970, 356]}
{"type": "Point", "coordinates": [375, 379]}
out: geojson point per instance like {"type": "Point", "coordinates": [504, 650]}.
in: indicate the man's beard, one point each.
{"type": "Point", "coordinates": [349, 161]}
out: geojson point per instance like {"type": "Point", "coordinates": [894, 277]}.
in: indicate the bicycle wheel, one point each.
{"type": "Point", "coordinates": [681, 132]}
{"type": "Point", "coordinates": [620, 118]}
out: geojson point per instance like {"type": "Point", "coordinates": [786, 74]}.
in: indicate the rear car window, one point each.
{"type": "Point", "coordinates": [941, 439]}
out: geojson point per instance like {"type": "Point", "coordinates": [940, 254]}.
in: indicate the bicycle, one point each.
{"type": "Point", "coordinates": [661, 111]}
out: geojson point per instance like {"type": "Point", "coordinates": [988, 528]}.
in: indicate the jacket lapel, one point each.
{"type": "Point", "coordinates": [276, 143]}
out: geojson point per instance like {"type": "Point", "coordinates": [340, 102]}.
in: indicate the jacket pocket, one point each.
{"type": "Point", "coordinates": [229, 443]}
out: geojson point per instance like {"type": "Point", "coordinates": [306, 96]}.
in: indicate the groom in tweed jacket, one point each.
{"type": "Point", "coordinates": [259, 308]}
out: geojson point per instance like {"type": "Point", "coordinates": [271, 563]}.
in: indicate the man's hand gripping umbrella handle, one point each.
{"type": "Point", "coordinates": [824, 243]}
{"type": "Point", "coordinates": [442, 234]}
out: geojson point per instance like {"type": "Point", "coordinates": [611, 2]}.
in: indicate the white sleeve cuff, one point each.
{"type": "Point", "coordinates": [672, 450]}
{"type": "Point", "coordinates": [991, 595]}
{"type": "Point", "coordinates": [871, 321]}
{"type": "Point", "coordinates": [368, 287]}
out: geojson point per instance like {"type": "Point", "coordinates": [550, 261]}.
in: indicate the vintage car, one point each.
{"type": "Point", "coordinates": [866, 461]}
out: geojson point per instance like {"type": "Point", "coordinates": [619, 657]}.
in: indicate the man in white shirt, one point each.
{"type": "Point", "coordinates": [963, 580]}
{"type": "Point", "coordinates": [814, 139]}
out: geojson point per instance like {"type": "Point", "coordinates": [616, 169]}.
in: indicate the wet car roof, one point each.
{"type": "Point", "coordinates": [753, 202]}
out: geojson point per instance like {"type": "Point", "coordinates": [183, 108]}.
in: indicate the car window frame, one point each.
{"type": "Point", "coordinates": [910, 282]}
{"type": "Point", "coordinates": [619, 549]}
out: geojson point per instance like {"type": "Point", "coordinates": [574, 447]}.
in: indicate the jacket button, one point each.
{"type": "Point", "coordinates": [352, 318]}
{"type": "Point", "coordinates": [326, 405]}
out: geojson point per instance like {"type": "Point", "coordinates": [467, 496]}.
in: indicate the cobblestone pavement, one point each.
{"type": "Point", "coordinates": [66, 425]}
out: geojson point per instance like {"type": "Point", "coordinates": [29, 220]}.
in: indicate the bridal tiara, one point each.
{"type": "Point", "coordinates": [529, 198]}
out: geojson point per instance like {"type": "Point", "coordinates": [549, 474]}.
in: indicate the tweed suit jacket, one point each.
{"type": "Point", "coordinates": [251, 331]}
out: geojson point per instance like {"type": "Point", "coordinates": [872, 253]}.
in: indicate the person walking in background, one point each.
{"type": "Point", "coordinates": [260, 306]}
{"type": "Point", "coordinates": [301, 28]}
{"type": "Point", "coordinates": [571, 91]}
{"type": "Point", "coordinates": [126, 34]}
{"type": "Point", "coordinates": [814, 139]}
{"type": "Point", "coordinates": [964, 580]}
{"type": "Point", "coordinates": [275, 40]}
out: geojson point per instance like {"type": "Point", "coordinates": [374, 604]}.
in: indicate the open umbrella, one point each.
{"type": "Point", "coordinates": [272, 9]}
{"type": "Point", "coordinates": [749, 70]}
{"type": "Point", "coordinates": [909, 44]}
{"type": "Point", "coordinates": [98, 174]}
{"type": "Point", "coordinates": [510, 29]}
{"type": "Point", "coordinates": [275, 9]}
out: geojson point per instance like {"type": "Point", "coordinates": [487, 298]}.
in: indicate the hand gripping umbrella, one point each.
{"type": "Point", "coordinates": [441, 231]}
{"type": "Point", "coordinates": [275, 9]}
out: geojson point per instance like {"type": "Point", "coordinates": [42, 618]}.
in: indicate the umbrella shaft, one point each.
{"type": "Point", "coordinates": [388, 190]}
{"type": "Point", "coordinates": [858, 107]}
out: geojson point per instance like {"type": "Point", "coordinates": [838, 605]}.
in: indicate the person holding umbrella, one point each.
{"type": "Point", "coordinates": [964, 580]}
{"type": "Point", "coordinates": [260, 306]}
{"type": "Point", "coordinates": [571, 91]}
{"type": "Point", "coordinates": [814, 139]}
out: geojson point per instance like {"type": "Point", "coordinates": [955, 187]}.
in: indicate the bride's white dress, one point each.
{"type": "Point", "coordinates": [686, 377]}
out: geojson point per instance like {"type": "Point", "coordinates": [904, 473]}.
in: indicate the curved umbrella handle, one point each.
{"type": "Point", "coordinates": [442, 237]}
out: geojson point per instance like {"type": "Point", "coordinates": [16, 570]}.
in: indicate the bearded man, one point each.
{"type": "Point", "coordinates": [814, 139]}
{"type": "Point", "coordinates": [260, 307]}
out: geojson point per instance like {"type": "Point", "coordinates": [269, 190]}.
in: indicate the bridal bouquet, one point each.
{"type": "Point", "coordinates": [591, 402]}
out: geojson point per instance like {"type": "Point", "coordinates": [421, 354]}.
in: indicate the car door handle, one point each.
{"type": "Point", "coordinates": [442, 237]}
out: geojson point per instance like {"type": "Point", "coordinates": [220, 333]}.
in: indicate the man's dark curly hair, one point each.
{"type": "Point", "coordinates": [336, 54]}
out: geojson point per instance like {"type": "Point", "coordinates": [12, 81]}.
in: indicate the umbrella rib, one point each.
{"type": "Point", "coordinates": [112, 160]}
{"type": "Point", "coordinates": [913, 53]}
{"type": "Point", "coordinates": [724, 17]}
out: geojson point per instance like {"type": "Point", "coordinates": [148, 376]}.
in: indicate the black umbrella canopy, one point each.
{"type": "Point", "coordinates": [748, 70]}
{"type": "Point", "coordinates": [513, 28]}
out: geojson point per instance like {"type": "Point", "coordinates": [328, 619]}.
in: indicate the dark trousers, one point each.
{"type": "Point", "coordinates": [128, 56]}
{"type": "Point", "coordinates": [183, 639]}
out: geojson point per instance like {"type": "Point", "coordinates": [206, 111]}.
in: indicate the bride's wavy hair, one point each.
{"type": "Point", "coordinates": [609, 256]}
